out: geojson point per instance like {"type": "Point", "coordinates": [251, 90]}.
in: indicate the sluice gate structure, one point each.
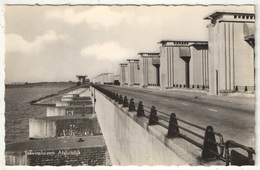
{"type": "Point", "coordinates": [68, 135]}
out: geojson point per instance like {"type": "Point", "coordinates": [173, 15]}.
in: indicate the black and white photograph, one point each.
{"type": "Point", "coordinates": [129, 85]}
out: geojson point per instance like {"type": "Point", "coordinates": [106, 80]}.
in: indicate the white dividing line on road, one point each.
{"type": "Point", "coordinates": [213, 110]}
{"type": "Point", "coordinates": [185, 104]}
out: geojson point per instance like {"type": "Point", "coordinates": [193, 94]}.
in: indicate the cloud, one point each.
{"type": "Point", "coordinates": [97, 17]}
{"type": "Point", "coordinates": [110, 50]}
{"type": "Point", "coordinates": [16, 43]}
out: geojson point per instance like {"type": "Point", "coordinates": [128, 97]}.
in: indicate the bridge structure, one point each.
{"type": "Point", "coordinates": [148, 127]}
{"type": "Point", "coordinates": [137, 126]}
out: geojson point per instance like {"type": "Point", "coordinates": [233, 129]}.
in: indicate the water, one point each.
{"type": "Point", "coordinates": [18, 109]}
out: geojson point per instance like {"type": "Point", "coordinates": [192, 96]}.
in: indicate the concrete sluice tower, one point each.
{"type": "Point", "coordinates": [82, 79]}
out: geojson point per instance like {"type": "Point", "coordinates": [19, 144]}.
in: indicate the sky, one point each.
{"type": "Point", "coordinates": [56, 43]}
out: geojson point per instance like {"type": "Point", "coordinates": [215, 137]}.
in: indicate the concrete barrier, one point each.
{"type": "Point", "coordinates": [73, 103]}
{"type": "Point", "coordinates": [49, 100]}
{"type": "Point", "coordinates": [41, 128]}
{"type": "Point", "coordinates": [69, 110]}
{"type": "Point", "coordinates": [63, 126]}
{"type": "Point", "coordinates": [77, 91]}
{"type": "Point", "coordinates": [133, 143]}
{"type": "Point", "coordinates": [74, 98]}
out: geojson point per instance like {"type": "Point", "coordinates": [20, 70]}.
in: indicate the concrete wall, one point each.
{"type": "Point", "coordinates": [131, 74]}
{"type": "Point", "coordinates": [62, 103]}
{"type": "Point", "coordinates": [127, 75]}
{"type": "Point", "coordinates": [163, 67]}
{"type": "Point", "coordinates": [124, 75]}
{"type": "Point", "coordinates": [50, 128]}
{"type": "Point", "coordinates": [40, 128]}
{"type": "Point", "coordinates": [62, 111]}
{"type": "Point", "coordinates": [128, 142]}
{"type": "Point", "coordinates": [49, 100]}
{"type": "Point", "coordinates": [178, 68]}
{"type": "Point", "coordinates": [70, 95]}
{"type": "Point", "coordinates": [137, 74]}
{"type": "Point", "coordinates": [244, 58]}
{"type": "Point", "coordinates": [73, 103]}
{"type": "Point", "coordinates": [172, 68]}
{"type": "Point", "coordinates": [199, 66]}
{"type": "Point", "coordinates": [148, 71]}
{"type": "Point", "coordinates": [105, 78]}
{"type": "Point", "coordinates": [77, 91]}
{"type": "Point", "coordinates": [134, 76]}
{"type": "Point", "coordinates": [53, 111]}
{"type": "Point", "coordinates": [109, 78]}
{"type": "Point", "coordinates": [85, 93]}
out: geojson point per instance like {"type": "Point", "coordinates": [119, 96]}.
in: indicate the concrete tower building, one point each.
{"type": "Point", "coordinates": [231, 51]}
{"type": "Point", "coordinates": [133, 72]}
{"type": "Point", "coordinates": [149, 68]}
{"type": "Point", "coordinates": [123, 74]}
{"type": "Point", "coordinates": [184, 64]}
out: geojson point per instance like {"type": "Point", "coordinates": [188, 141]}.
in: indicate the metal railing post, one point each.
{"type": "Point", "coordinates": [125, 103]}
{"type": "Point", "coordinates": [172, 129]}
{"type": "Point", "coordinates": [120, 101]}
{"type": "Point", "coordinates": [153, 119]}
{"type": "Point", "coordinates": [209, 144]}
{"type": "Point", "coordinates": [113, 96]}
{"type": "Point", "coordinates": [131, 105]}
{"type": "Point", "coordinates": [116, 97]}
{"type": "Point", "coordinates": [140, 109]}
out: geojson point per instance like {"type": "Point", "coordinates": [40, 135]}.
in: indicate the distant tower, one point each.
{"type": "Point", "coordinates": [82, 79]}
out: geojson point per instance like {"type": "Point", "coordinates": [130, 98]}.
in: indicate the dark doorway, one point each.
{"type": "Point", "coordinates": [158, 75]}
{"type": "Point", "coordinates": [216, 92]}
{"type": "Point", "coordinates": [187, 71]}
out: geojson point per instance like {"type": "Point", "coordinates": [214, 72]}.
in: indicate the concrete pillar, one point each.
{"type": "Point", "coordinates": [123, 68]}
{"type": "Point", "coordinates": [133, 72]}
{"type": "Point", "coordinates": [143, 70]}
{"type": "Point", "coordinates": [148, 69]}
{"type": "Point", "coordinates": [199, 73]}
{"type": "Point", "coordinates": [163, 67]}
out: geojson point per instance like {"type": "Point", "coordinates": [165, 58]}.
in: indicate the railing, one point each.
{"type": "Point", "coordinates": [236, 158]}
{"type": "Point", "coordinates": [244, 88]}
{"type": "Point", "coordinates": [211, 148]}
